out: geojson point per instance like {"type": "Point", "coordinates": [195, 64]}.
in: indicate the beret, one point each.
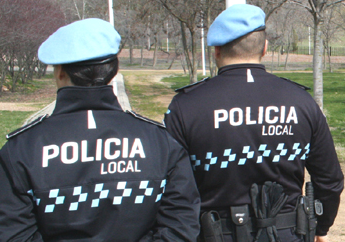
{"type": "Point", "coordinates": [235, 22]}
{"type": "Point", "coordinates": [82, 40]}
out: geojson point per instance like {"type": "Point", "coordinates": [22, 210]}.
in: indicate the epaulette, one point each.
{"type": "Point", "coordinates": [299, 85]}
{"type": "Point", "coordinates": [192, 86]}
{"type": "Point", "coordinates": [26, 127]}
{"type": "Point", "coordinates": [138, 116]}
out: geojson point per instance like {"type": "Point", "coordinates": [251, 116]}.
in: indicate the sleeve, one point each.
{"type": "Point", "coordinates": [178, 215]}
{"type": "Point", "coordinates": [326, 175]}
{"type": "Point", "coordinates": [17, 219]}
{"type": "Point", "coordinates": [174, 123]}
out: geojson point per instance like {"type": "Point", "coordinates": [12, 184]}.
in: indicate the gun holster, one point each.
{"type": "Point", "coordinates": [306, 222]}
{"type": "Point", "coordinates": [211, 227]}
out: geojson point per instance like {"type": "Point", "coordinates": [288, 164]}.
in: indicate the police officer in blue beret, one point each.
{"type": "Point", "coordinates": [90, 171]}
{"type": "Point", "coordinates": [250, 135]}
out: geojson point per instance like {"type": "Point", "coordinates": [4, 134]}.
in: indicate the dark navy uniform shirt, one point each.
{"type": "Point", "coordinates": [247, 126]}
{"type": "Point", "coordinates": [92, 172]}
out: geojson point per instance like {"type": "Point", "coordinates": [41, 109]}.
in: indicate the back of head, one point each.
{"type": "Point", "coordinates": [86, 49]}
{"type": "Point", "coordinates": [84, 74]}
{"type": "Point", "coordinates": [239, 30]}
{"type": "Point", "coordinates": [250, 46]}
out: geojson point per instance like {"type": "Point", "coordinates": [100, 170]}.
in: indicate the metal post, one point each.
{"type": "Point", "coordinates": [111, 12]}
{"type": "Point", "coordinates": [229, 3]}
{"type": "Point", "coordinates": [203, 48]}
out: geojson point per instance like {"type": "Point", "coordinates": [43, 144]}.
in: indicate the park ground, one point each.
{"type": "Point", "coordinates": [35, 101]}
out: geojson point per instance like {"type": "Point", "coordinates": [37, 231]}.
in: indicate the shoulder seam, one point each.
{"type": "Point", "coordinates": [26, 127]}
{"type": "Point", "coordinates": [297, 84]}
{"type": "Point", "coordinates": [138, 116]}
{"type": "Point", "coordinates": [192, 85]}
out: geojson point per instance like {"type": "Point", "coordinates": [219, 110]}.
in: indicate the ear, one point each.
{"type": "Point", "coordinates": [61, 77]}
{"type": "Point", "coordinates": [265, 48]}
{"type": "Point", "coordinates": [217, 53]}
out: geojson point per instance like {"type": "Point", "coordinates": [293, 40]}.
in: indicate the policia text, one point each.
{"type": "Point", "coordinates": [268, 115]}
{"type": "Point", "coordinates": [109, 149]}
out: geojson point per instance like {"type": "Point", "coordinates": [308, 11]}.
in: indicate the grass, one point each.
{"type": "Point", "coordinates": [142, 96]}
{"type": "Point", "coordinates": [35, 93]}
{"type": "Point", "coordinates": [9, 121]}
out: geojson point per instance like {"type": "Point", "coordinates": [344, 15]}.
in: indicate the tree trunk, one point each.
{"type": "Point", "coordinates": [142, 56]}
{"type": "Point", "coordinates": [287, 56]}
{"type": "Point", "coordinates": [329, 59]}
{"type": "Point", "coordinates": [172, 62]}
{"type": "Point", "coordinates": [182, 57]}
{"type": "Point", "coordinates": [317, 63]}
{"type": "Point", "coordinates": [155, 52]}
{"type": "Point", "coordinates": [191, 62]}
{"type": "Point", "coordinates": [130, 52]}
{"type": "Point", "coordinates": [272, 61]}
{"type": "Point", "coordinates": [193, 76]}
{"type": "Point", "coordinates": [212, 65]}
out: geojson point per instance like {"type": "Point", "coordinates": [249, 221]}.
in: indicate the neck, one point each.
{"type": "Point", "coordinates": [226, 62]}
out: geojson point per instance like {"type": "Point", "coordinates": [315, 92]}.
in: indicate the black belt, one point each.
{"type": "Point", "coordinates": [281, 221]}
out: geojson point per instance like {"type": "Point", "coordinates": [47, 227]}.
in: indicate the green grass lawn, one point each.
{"type": "Point", "coordinates": [10, 121]}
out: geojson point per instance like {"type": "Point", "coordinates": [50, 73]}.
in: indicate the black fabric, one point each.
{"type": "Point", "coordinates": [248, 126]}
{"type": "Point", "coordinates": [91, 172]}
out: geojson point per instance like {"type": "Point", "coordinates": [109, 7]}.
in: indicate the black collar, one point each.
{"type": "Point", "coordinates": [72, 98]}
{"type": "Point", "coordinates": [240, 66]}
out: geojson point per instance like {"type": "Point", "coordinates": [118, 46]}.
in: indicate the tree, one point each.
{"type": "Point", "coordinates": [268, 6]}
{"type": "Point", "coordinates": [317, 8]}
{"type": "Point", "coordinates": [188, 13]}
{"type": "Point", "coordinates": [330, 29]}
{"type": "Point", "coordinates": [210, 9]}
{"type": "Point", "coordinates": [24, 26]}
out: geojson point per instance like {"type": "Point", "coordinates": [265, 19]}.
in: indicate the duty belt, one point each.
{"type": "Point", "coordinates": [281, 221]}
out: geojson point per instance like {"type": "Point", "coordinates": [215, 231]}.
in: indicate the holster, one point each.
{"type": "Point", "coordinates": [211, 227]}
{"type": "Point", "coordinates": [240, 217]}
{"type": "Point", "coordinates": [306, 222]}
{"type": "Point", "coordinates": [302, 217]}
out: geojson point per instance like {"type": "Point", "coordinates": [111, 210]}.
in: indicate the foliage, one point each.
{"type": "Point", "coordinates": [24, 26]}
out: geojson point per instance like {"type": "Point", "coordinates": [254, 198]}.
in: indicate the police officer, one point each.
{"type": "Point", "coordinates": [249, 131]}
{"type": "Point", "coordinates": [91, 172]}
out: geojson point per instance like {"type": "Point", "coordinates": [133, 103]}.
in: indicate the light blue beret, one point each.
{"type": "Point", "coordinates": [235, 22]}
{"type": "Point", "coordinates": [79, 41]}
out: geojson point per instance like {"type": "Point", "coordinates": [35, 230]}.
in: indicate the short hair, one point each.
{"type": "Point", "coordinates": [92, 74]}
{"type": "Point", "coordinates": [248, 46]}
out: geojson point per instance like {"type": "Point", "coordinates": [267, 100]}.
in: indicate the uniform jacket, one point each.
{"type": "Point", "coordinates": [247, 126]}
{"type": "Point", "coordinates": [91, 172]}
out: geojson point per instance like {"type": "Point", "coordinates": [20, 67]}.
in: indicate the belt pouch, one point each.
{"type": "Point", "coordinates": [211, 227]}
{"type": "Point", "coordinates": [302, 217]}
{"type": "Point", "coordinates": [240, 217]}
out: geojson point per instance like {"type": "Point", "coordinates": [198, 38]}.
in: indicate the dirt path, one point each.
{"type": "Point", "coordinates": [18, 107]}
